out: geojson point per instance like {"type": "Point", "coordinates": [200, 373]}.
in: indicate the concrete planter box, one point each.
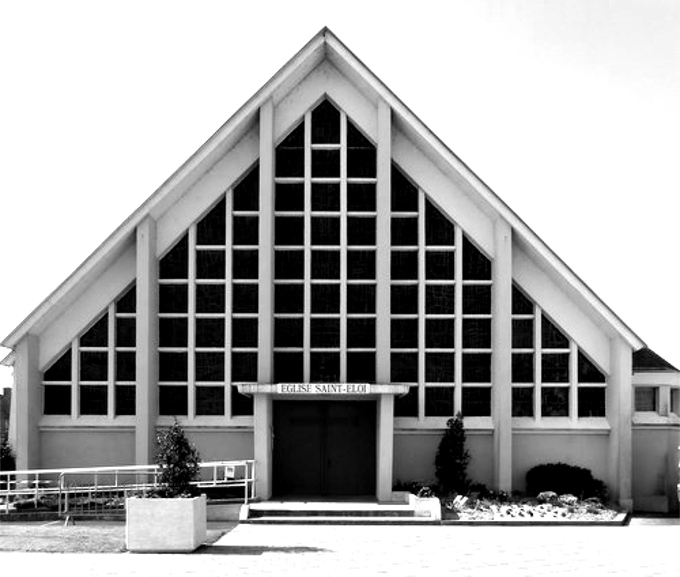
{"type": "Point", "coordinates": [165, 525]}
{"type": "Point", "coordinates": [429, 507]}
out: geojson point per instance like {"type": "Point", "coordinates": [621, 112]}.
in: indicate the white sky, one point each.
{"type": "Point", "coordinates": [569, 111]}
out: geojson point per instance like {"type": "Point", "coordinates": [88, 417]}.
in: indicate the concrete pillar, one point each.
{"type": "Point", "coordinates": [147, 343]}
{"type": "Point", "coordinates": [263, 403]}
{"type": "Point", "coordinates": [385, 447]}
{"type": "Point", "coordinates": [27, 403]}
{"type": "Point", "coordinates": [501, 376]}
{"type": "Point", "coordinates": [619, 413]}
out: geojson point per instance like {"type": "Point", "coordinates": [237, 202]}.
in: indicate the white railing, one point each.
{"type": "Point", "coordinates": [102, 490]}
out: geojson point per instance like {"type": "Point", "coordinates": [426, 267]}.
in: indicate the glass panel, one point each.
{"type": "Point", "coordinates": [243, 333]}
{"type": "Point", "coordinates": [209, 366]}
{"type": "Point", "coordinates": [439, 230]}
{"type": "Point", "coordinates": [439, 367]}
{"type": "Point", "coordinates": [325, 163]}
{"type": "Point", "coordinates": [175, 264]}
{"type": "Point", "coordinates": [210, 298]}
{"type": "Point", "coordinates": [360, 298]}
{"type": "Point", "coordinates": [289, 264]}
{"type": "Point", "coordinates": [326, 196]}
{"type": "Point", "coordinates": [588, 372]}
{"type": "Point", "coordinates": [404, 368]}
{"type": "Point", "coordinates": [93, 399]}
{"type": "Point", "coordinates": [210, 401]}
{"type": "Point", "coordinates": [60, 370]}
{"type": "Point", "coordinates": [476, 401]}
{"type": "Point", "coordinates": [128, 302]}
{"type": "Point", "coordinates": [325, 230]}
{"type": "Point", "coordinates": [555, 401]}
{"type": "Point", "coordinates": [523, 367]}
{"type": "Point", "coordinates": [361, 154]}
{"type": "Point", "coordinates": [126, 366]}
{"type": "Point", "coordinates": [325, 333]}
{"type": "Point", "coordinates": [209, 332]}
{"type": "Point", "coordinates": [172, 332]}
{"type": "Point", "coordinates": [405, 231]}
{"type": "Point", "coordinates": [361, 264]}
{"type": "Point", "coordinates": [173, 400]}
{"type": "Point", "coordinates": [522, 402]}
{"type": "Point", "coordinates": [360, 197]}
{"type": "Point", "coordinates": [360, 367]}
{"type": "Point", "coordinates": [211, 229]}
{"type": "Point", "coordinates": [476, 300]}
{"type": "Point", "coordinates": [440, 265]}
{"type": "Point", "coordinates": [288, 333]}
{"type": "Point", "coordinates": [210, 264]}
{"type": "Point", "coordinates": [521, 305]}
{"type": "Point", "coordinates": [645, 399]}
{"type": "Point", "coordinates": [591, 402]}
{"type": "Point", "coordinates": [440, 299]}
{"type": "Point", "coordinates": [247, 192]}
{"type": "Point", "coordinates": [288, 367]}
{"type": "Point", "coordinates": [555, 368]}
{"type": "Point", "coordinates": [325, 124]}
{"type": "Point", "coordinates": [325, 298]}
{"type": "Point", "coordinates": [290, 197]}
{"type": "Point", "coordinates": [360, 333]}
{"type": "Point", "coordinates": [407, 405]}
{"type": "Point", "coordinates": [245, 264]}
{"type": "Point", "coordinates": [324, 367]}
{"type": "Point", "coordinates": [551, 336]}
{"type": "Point", "coordinates": [241, 405]}
{"type": "Point", "coordinates": [475, 265]}
{"type": "Point", "coordinates": [325, 264]}
{"type": "Point", "coordinates": [173, 298]}
{"type": "Point", "coordinates": [290, 155]}
{"type": "Point", "coordinates": [523, 333]}
{"type": "Point", "coordinates": [476, 367]}
{"type": "Point", "coordinates": [404, 194]}
{"type": "Point", "coordinates": [94, 366]}
{"type": "Point", "coordinates": [57, 400]}
{"type": "Point", "coordinates": [439, 401]}
{"type": "Point", "coordinates": [477, 333]}
{"type": "Point", "coordinates": [404, 265]}
{"type": "Point", "coordinates": [404, 299]}
{"type": "Point", "coordinates": [404, 334]}
{"type": "Point", "coordinates": [246, 230]}
{"type": "Point", "coordinates": [289, 231]}
{"type": "Point", "coordinates": [244, 367]}
{"type": "Point", "coordinates": [289, 298]}
{"type": "Point", "coordinates": [439, 333]}
{"type": "Point", "coordinates": [126, 400]}
{"type": "Point", "coordinates": [244, 298]}
{"type": "Point", "coordinates": [172, 367]}
{"type": "Point", "coordinates": [361, 231]}
{"type": "Point", "coordinates": [126, 332]}
{"type": "Point", "coordinates": [97, 335]}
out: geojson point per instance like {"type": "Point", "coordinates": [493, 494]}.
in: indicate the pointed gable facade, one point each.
{"type": "Point", "coordinates": [320, 288]}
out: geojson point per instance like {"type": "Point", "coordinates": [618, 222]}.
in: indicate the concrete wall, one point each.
{"type": "Point", "coordinates": [222, 445]}
{"type": "Point", "coordinates": [655, 468]}
{"type": "Point", "coordinates": [86, 448]}
{"type": "Point", "coordinates": [414, 453]}
{"type": "Point", "coordinates": [583, 449]}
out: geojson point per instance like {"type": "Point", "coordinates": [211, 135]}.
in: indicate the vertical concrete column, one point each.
{"type": "Point", "coordinates": [27, 401]}
{"type": "Point", "coordinates": [501, 376]}
{"type": "Point", "coordinates": [147, 343]}
{"type": "Point", "coordinates": [619, 414]}
{"type": "Point", "coordinates": [263, 403]}
{"type": "Point", "coordinates": [385, 421]}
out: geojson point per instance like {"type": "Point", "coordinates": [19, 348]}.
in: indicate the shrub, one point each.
{"type": "Point", "coordinates": [7, 462]}
{"type": "Point", "coordinates": [452, 458]}
{"type": "Point", "coordinates": [178, 460]}
{"type": "Point", "coordinates": [562, 478]}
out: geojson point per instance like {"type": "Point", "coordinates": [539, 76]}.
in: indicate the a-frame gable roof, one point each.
{"type": "Point", "coordinates": [323, 46]}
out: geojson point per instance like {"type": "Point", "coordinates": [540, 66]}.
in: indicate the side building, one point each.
{"type": "Point", "coordinates": [320, 287]}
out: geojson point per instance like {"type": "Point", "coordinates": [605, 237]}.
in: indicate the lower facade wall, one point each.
{"type": "Point", "coordinates": [583, 449]}
{"type": "Point", "coordinates": [86, 448]}
{"type": "Point", "coordinates": [655, 468]}
{"type": "Point", "coordinates": [222, 445]}
{"type": "Point", "coordinates": [415, 451]}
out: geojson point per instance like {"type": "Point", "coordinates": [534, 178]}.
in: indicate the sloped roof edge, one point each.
{"type": "Point", "coordinates": [324, 39]}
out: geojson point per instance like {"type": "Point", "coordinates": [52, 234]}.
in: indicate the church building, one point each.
{"type": "Point", "coordinates": [320, 287]}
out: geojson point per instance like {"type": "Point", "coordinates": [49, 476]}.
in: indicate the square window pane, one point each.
{"type": "Point", "coordinates": [440, 299]}
{"type": "Point", "coordinates": [126, 400]}
{"type": "Point", "coordinates": [360, 367]}
{"type": "Point", "coordinates": [360, 197]}
{"type": "Point", "coordinates": [209, 401]}
{"type": "Point", "coordinates": [325, 298]}
{"type": "Point", "coordinates": [244, 367]}
{"type": "Point", "coordinates": [241, 405]}
{"type": "Point", "coordinates": [439, 230]}
{"type": "Point", "coordinates": [243, 333]}
{"type": "Point", "coordinates": [210, 298]}
{"type": "Point", "coordinates": [361, 231]}
{"type": "Point", "coordinates": [522, 402]}
{"type": "Point", "coordinates": [325, 163]}
{"type": "Point", "coordinates": [289, 298]}
{"type": "Point", "coordinates": [361, 298]}
{"type": "Point", "coordinates": [325, 230]}
{"type": "Point", "coordinates": [404, 265]}
{"type": "Point", "coordinates": [210, 264]}
{"type": "Point", "coordinates": [476, 300]}
{"type": "Point", "coordinates": [172, 332]}
{"type": "Point", "coordinates": [289, 231]}
{"type": "Point", "coordinates": [94, 399]}
{"type": "Point", "coordinates": [405, 231]}
{"type": "Point", "coordinates": [477, 333]}
{"type": "Point", "coordinates": [94, 366]}
{"type": "Point", "coordinates": [404, 299]}
{"type": "Point", "coordinates": [439, 367]}
{"type": "Point", "coordinates": [172, 367]}
{"type": "Point", "coordinates": [407, 405]}
{"type": "Point", "coordinates": [522, 367]}
{"type": "Point", "coordinates": [360, 333]}
{"type": "Point", "coordinates": [325, 333]}
{"type": "Point", "coordinates": [476, 266]}
{"type": "Point", "coordinates": [289, 197]}
{"type": "Point", "coordinates": [288, 332]}
{"type": "Point", "coordinates": [325, 264]}
{"type": "Point", "coordinates": [126, 366]}
{"type": "Point", "coordinates": [173, 298]}
{"type": "Point", "coordinates": [361, 264]}
{"type": "Point", "coordinates": [126, 332]}
{"type": "Point", "coordinates": [521, 305]}
{"type": "Point", "coordinates": [551, 336]}
{"type": "Point", "coordinates": [324, 367]}
{"type": "Point", "coordinates": [97, 334]}
{"type": "Point", "coordinates": [361, 162]}
{"type": "Point", "coordinates": [555, 401]}
{"type": "Point", "coordinates": [288, 367]}
{"type": "Point", "coordinates": [209, 367]}
{"type": "Point", "coordinates": [476, 401]}
{"type": "Point", "coordinates": [211, 229]}
{"type": "Point", "coordinates": [210, 333]}
{"type": "Point", "coordinates": [173, 400]}
{"type": "Point", "coordinates": [646, 399]}
{"type": "Point", "coordinates": [57, 400]}
{"type": "Point", "coordinates": [244, 298]}
{"type": "Point", "coordinates": [245, 264]}
{"type": "Point", "coordinates": [290, 162]}
{"type": "Point", "coordinates": [591, 402]}
{"type": "Point", "coordinates": [555, 367]}
{"type": "Point", "coordinates": [523, 333]}
{"type": "Point", "coordinates": [404, 334]}
{"type": "Point", "coordinates": [289, 264]}
{"type": "Point", "coordinates": [326, 196]}
{"type": "Point", "coordinates": [245, 230]}
{"type": "Point", "coordinates": [476, 367]}
{"type": "Point", "coordinates": [440, 265]}
{"type": "Point", "coordinates": [439, 401]}
{"type": "Point", "coordinates": [439, 334]}
{"type": "Point", "coordinates": [404, 368]}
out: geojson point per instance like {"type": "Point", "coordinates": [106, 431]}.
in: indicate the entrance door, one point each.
{"type": "Point", "coordinates": [324, 448]}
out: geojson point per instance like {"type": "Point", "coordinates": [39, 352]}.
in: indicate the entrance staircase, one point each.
{"type": "Point", "coordinates": [405, 510]}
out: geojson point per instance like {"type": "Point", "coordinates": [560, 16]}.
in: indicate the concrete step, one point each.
{"type": "Point", "coordinates": [340, 520]}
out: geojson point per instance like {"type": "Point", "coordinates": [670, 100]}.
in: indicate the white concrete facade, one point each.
{"type": "Point", "coordinates": [503, 446]}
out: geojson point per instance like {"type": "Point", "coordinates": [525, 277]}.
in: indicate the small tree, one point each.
{"type": "Point", "coordinates": [452, 458]}
{"type": "Point", "coordinates": [178, 460]}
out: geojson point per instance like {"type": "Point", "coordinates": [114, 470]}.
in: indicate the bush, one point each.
{"type": "Point", "coordinates": [179, 462]}
{"type": "Point", "coordinates": [562, 478]}
{"type": "Point", "coordinates": [452, 458]}
{"type": "Point", "coordinates": [7, 462]}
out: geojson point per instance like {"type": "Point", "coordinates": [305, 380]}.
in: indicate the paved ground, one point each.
{"type": "Point", "coordinates": [640, 550]}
